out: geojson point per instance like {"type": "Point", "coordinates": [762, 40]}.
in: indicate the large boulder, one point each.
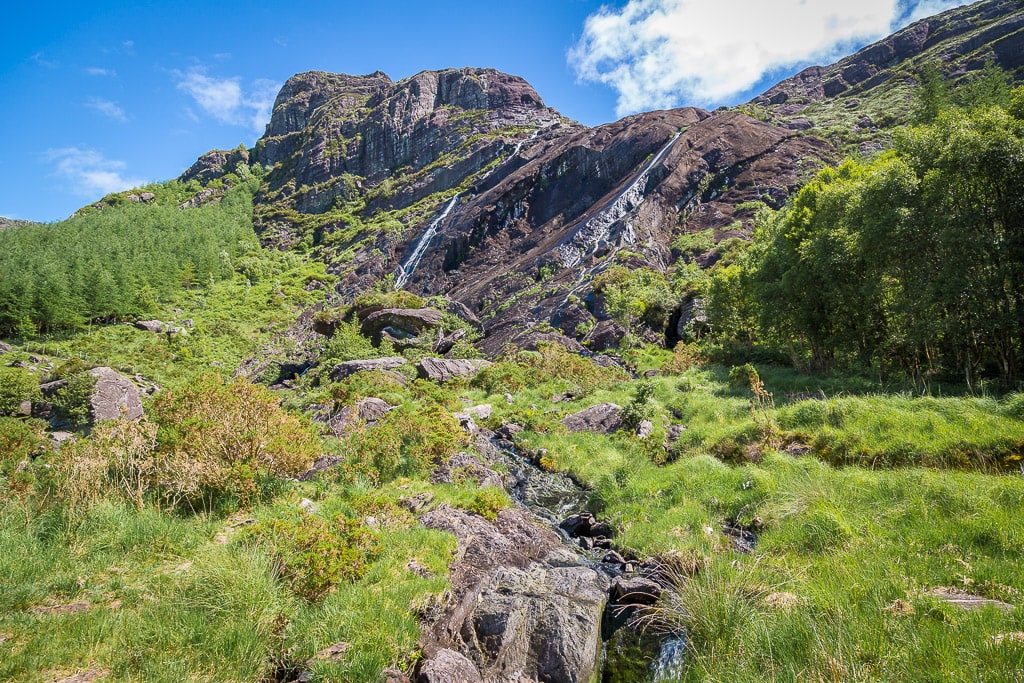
{"type": "Point", "coordinates": [350, 367]}
{"type": "Point", "coordinates": [523, 607]}
{"type": "Point", "coordinates": [400, 323]}
{"type": "Point", "coordinates": [448, 666]}
{"type": "Point", "coordinates": [114, 396]}
{"type": "Point", "coordinates": [606, 335]}
{"type": "Point", "coordinates": [604, 418]}
{"type": "Point", "coordinates": [447, 369]}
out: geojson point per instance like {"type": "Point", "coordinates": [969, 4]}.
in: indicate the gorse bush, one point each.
{"type": "Point", "coordinates": [75, 398]}
{"type": "Point", "coordinates": [314, 554]}
{"type": "Point", "coordinates": [226, 438]}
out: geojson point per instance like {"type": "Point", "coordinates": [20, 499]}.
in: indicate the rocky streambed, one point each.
{"type": "Point", "coordinates": [539, 594]}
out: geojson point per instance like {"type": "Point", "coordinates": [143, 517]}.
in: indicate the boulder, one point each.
{"type": "Point", "coordinates": [447, 369]}
{"type": "Point", "coordinates": [462, 311]}
{"type": "Point", "coordinates": [604, 418]}
{"type": "Point", "coordinates": [5, 347]}
{"type": "Point", "coordinates": [350, 367]}
{"type": "Point", "coordinates": [150, 325]}
{"type": "Point", "coordinates": [322, 463]}
{"type": "Point", "coordinates": [523, 608]}
{"type": "Point", "coordinates": [448, 666]}
{"type": "Point", "coordinates": [634, 591]}
{"type": "Point", "coordinates": [606, 335]}
{"type": "Point", "coordinates": [367, 410]}
{"type": "Point", "coordinates": [114, 396]}
{"type": "Point", "coordinates": [400, 323]}
{"type": "Point", "coordinates": [644, 429]}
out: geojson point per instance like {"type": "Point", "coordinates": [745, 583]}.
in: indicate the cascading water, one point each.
{"type": "Point", "coordinates": [671, 660]}
{"type": "Point", "coordinates": [403, 274]}
{"type": "Point", "coordinates": [412, 261]}
{"type": "Point", "coordinates": [596, 229]}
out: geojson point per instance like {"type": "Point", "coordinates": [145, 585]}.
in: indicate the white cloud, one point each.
{"type": "Point", "coordinates": [89, 173]}
{"type": "Point", "coordinates": [227, 101]}
{"type": "Point", "coordinates": [107, 108]}
{"type": "Point", "coordinates": [98, 71]}
{"type": "Point", "coordinates": [660, 53]}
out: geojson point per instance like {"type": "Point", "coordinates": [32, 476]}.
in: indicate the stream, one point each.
{"type": "Point", "coordinates": [553, 496]}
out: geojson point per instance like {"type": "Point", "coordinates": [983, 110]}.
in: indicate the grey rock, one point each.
{"type": "Point", "coordinates": [523, 608]}
{"type": "Point", "coordinates": [604, 418]}
{"type": "Point", "coordinates": [114, 396]}
{"type": "Point", "coordinates": [58, 439]}
{"type": "Point", "coordinates": [462, 311]}
{"type": "Point", "coordinates": [150, 325]}
{"type": "Point", "coordinates": [5, 347]}
{"type": "Point", "coordinates": [368, 410]}
{"type": "Point", "coordinates": [448, 666]}
{"type": "Point", "coordinates": [321, 464]}
{"type": "Point", "coordinates": [445, 369]}
{"type": "Point", "coordinates": [400, 323]}
{"type": "Point", "coordinates": [606, 335]}
{"type": "Point", "coordinates": [644, 429]}
{"type": "Point", "coordinates": [350, 367]}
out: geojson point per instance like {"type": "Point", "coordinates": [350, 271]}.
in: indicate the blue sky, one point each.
{"type": "Point", "coordinates": [101, 95]}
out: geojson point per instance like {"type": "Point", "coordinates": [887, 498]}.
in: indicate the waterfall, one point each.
{"type": "Point", "coordinates": [403, 274]}
{"type": "Point", "coordinates": [671, 660]}
{"type": "Point", "coordinates": [597, 228]}
{"type": "Point", "coordinates": [412, 261]}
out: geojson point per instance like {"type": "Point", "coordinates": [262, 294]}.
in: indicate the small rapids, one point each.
{"type": "Point", "coordinates": [671, 660]}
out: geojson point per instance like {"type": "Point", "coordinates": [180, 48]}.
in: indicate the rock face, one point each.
{"type": "Point", "coordinates": [350, 367]}
{"type": "Point", "coordinates": [523, 610]}
{"type": "Point", "coordinates": [114, 396]}
{"type": "Point", "coordinates": [445, 370]}
{"type": "Point", "coordinates": [604, 418]}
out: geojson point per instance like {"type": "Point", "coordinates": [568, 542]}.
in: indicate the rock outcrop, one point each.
{"type": "Point", "coordinates": [523, 608]}
{"type": "Point", "coordinates": [114, 396]}
{"type": "Point", "coordinates": [604, 418]}
{"type": "Point", "coordinates": [445, 369]}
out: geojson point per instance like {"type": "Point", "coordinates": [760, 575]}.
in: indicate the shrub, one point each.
{"type": "Point", "coordinates": [118, 457]}
{"type": "Point", "coordinates": [16, 386]}
{"type": "Point", "coordinates": [228, 439]}
{"type": "Point", "coordinates": [488, 502]}
{"type": "Point", "coordinates": [684, 357]}
{"type": "Point", "coordinates": [75, 398]}
{"type": "Point", "coordinates": [315, 555]}
{"type": "Point", "coordinates": [640, 408]}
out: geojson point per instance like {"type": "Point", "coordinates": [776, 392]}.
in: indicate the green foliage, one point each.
{"type": "Point", "coordinates": [910, 261]}
{"type": "Point", "coordinates": [117, 262]}
{"type": "Point", "coordinates": [75, 398]}
{"type": "Point", "coordinates": [693, 244]}
{"type": "Point", "coordinates": [550, 363]}
{"type": "Point", "coordinates": [314, 554]}
{"type": "Point", "coordinates": [16, 386]}
{"type": "Point", "coordinates": [639, 408]}
{"type": "Point", "coordinates": [636, 296]}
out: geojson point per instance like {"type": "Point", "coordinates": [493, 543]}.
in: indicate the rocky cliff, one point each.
{"type": "Point", "coordinates": [463, 183]}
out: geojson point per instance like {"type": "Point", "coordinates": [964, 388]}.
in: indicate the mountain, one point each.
{"type": "Point", "coordinates": [462, 182]}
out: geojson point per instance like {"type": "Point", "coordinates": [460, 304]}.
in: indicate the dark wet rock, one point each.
{"type": "Point", "coordinates": [508, 431]}
{"type": "Point", "coordinates": [350, 367]}
{"type": "Point", "coordinates": [448, 666]}
{"type": "Point", "coordinates": [606, 335]}
{"type": "Point", "coordinates": [612, 557]}
{"type": "Point", "coordinates": [743, 536]}
{"type": "Point", "coordinates": [635, 590]}
{"type": "Point", "coordinates": [447, 369]}
{"type": "Point", "coordinates": [604, 418]}
{"type": "Point", "coordinates": [114, 396]}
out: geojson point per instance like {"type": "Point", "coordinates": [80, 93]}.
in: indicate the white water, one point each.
{"type": "Point", "coordinates": [409, 267]}
{"type": "Point", "coordinates": [671, 660]}
{"type": "Point", "coordinates": [597, 229]}
{"type": "Point", "coordinates": [412, 261]}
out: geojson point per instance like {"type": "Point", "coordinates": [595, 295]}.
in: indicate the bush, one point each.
{"type": "Point", "coordinates": [75, 398]}
{"type": "Point", "coordinates": [640, 408]}
{"type": "Point", "coordinates": [117, 458]}
{"type": "Point", "coordinates": [16, 386]}
{"type": "Point", "coordinates": [315, 555]}
{"type": "Point", "coordinates": [229, 439]}
{"type": "Point", "coordinates": [684, 357]}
